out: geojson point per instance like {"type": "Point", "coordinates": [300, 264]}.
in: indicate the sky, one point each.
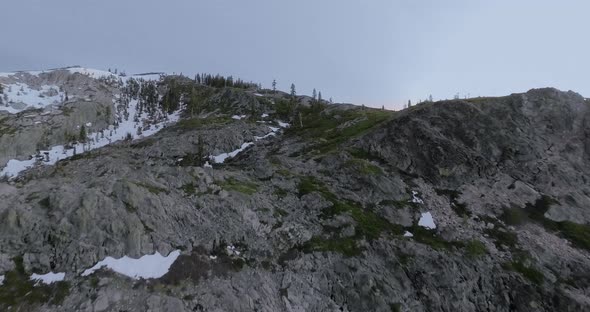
{"type": "Point", "coordinates": [372, 52]}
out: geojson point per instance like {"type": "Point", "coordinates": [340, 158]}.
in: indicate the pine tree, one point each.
{"type": "Point", "coordinates": [320, 97]}
{"type": "Point", "coordinates": [82, 136]}
{"type": "Point", "coordinates": [274, 86]}
{"type": "Point", "coordinates": [409, 103]}
{"type": "Point", "coordinates": [314, 94]}
{"type": "Point", "coordinates": [430, 98]}
{"type": "Point", "coordinates": [293, 93]}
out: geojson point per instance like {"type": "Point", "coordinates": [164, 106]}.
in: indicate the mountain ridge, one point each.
{"type": "Point", "coordinates": [462, 205]}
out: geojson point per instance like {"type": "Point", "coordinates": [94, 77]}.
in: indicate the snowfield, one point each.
{"type": "Point", "coordinates": [48, 278]}
{"type": "Point", "coordinates": [95, 140]}
{"type": "Point", "coordinates": [17, 97]}
{"type": "Point", "coordinates": [221, 158]}
{"type": "Point", "coordinates": [148, 266]}
{"type": "Point", "coordinates": [427, 221]}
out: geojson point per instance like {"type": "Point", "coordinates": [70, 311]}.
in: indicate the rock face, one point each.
{"type": "Point", "coordinates": [317, 218]}
{"type": "Point", "coordinates": [83, 100]}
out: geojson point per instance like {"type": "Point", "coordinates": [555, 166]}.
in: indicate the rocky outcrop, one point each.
{"type": "Point", "coordinates": [320, 218]}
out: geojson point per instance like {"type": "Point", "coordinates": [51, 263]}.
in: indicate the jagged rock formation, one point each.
{"type": "Point", "coordinates": [320, 218]}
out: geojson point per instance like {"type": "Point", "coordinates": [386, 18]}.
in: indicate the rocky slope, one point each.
{"type": "Point", "coordinates": [331, 216]}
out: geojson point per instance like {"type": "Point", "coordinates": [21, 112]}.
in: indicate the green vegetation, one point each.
{"type": "Point", "coordinates": [45, 203]}
{"type": "Point", "coordinates": [369, 225]}
{"type": "Point", "coordinates": [6, 129]}
{"type": "Point", "coordinates": [363, 167]}
{"type": "Point", "coordinates": [367, 155]}
{"type": "Point", "coordinates": [502, 237]}
{"type": "Point", "coordinates": [528, 271]}
{"type": "Point", "coordinates": [475, 249]}
{"type": "Point", "coordinates": [232, 184]}
{"type": "Point", "coordinates": [280, 193]}
{"type": "Point", "coordinates": [331, 130]}
{"type": "Point", "coordinates": [346, 246]}
{"type": "Point", "coordinates": [151, 188]}
{"type": "Point", "coordinates": [577, 234]}
{"type": "Point", "coordinates": [453, 195]}
{"type": "Point", "coordinates": [189, 189]}
{"type": "Point", "coordinates": [19, 290]}
{"type": "Point", "coordinates": [428, 237]}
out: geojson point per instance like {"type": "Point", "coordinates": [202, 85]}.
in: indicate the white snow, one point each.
{"type": "Point", "coordinates": [1, 279]}
{"type": "Point", "coordinates": [93, 73]}
{"type": "Point", "coordinates": [258, 94]}
{"type": "Point", "coordinates": [212, 257]}
{"type": "Point", "coordinates": [95, 140]}
{"type": "Point", "coordinates": [219, 159]}
{"type": "Point", "coordinates": [283, 124]}
{"type": "Point", "coordinates": [416, 199]}
{"type": "Point", "coordinates": [207, 165]}
{"type": "Point", "coordinates": [257, 138]}
{"type": "Point", "coordinates": [148, 266]}
{"type": "Point", "coordinates": [264, 115]}
{"type": "Point", "coordinates": [408, 234]}
{"type": "Point", "coordinates": [19, 96]}
{"type": "Point", "coordinates": [238, 117]}
{"type": "Point", "coordinates": [427, 221]}
{"type": "Point", "coordinates": [48, 278]}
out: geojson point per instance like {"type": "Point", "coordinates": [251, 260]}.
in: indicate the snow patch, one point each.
{"type": "Point", "coordinates": [1, 279]}
{"type": "Point", "coordinates": [264, 115]}
{"type": "Point", "coordinates": [48, 278]}
{"type": "Point", "coordinates": [148, 266]}
{"type": "Point", "coordinates": [408, 234]}
{"type": "Point", "coordinates": [416, 199]}
{"type": "Point", "coordinates": [283, 124]}
{"type": "Point", "coordinates": [427, 221]}
{"type": "Point", "coordinates": [238, 117]}
{"type": "Point", "coordinates": [95, 140]}
{"type": "Point", "coordinates": [18, 97]}
{"type": "Point", "coordinates": [92, 73]}
{"type": "Point", "coordinates": [219, 159]}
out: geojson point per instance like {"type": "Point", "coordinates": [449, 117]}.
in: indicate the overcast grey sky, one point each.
{"type": "Point", "coordinates": [365, 51]}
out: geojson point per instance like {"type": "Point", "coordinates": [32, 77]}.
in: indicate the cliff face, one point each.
{"type": "Point", "coordinates": [475, 205]}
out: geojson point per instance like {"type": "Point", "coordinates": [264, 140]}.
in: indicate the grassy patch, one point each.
{"type": "Point", "coordinates": [330, 130]}
{"type": "Point", "coordinates": [346, 246]}
{"type": "Point", "coordinates": [364, 167]}
{"type": "Point", "coordinates": [280, 193]}
{"type": "Point", "coordinates": [189, 189]}
{"type": "Point", "coordinates": [428, 237]}
{"type": "Point", "coordinates": [503, 238]}
{"type": "Point", "coordinates": [577, 234]}
{"type": "Point", "coordinates": [453, 195]}
{"type": "Point", "coordinates": [232, 184]}
{"type": "Point", "coordinates": [151, 188]}
{"type": "Point", "coordinates": [475, 249]}
{"type": "Point", "coordinates": [528, 271]}
{"type": "Point", "coordinates": [19, 290]}
{"type": "Point", "coordinates": [6, 129]}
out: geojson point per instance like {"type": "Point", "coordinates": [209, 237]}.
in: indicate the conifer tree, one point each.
{"type": "Point", "coordinates": [409, 103]}
{"type": "Point", "coordinates": [274, 86]}
{"type": "Point", "coordinates": [293, 93]}
{"type": "Point", "coordinates": [320, 97]}
{"type": "Point", "coordinates": [82, 136]}
{"type": "Point", "coordinates": [314, 94]}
